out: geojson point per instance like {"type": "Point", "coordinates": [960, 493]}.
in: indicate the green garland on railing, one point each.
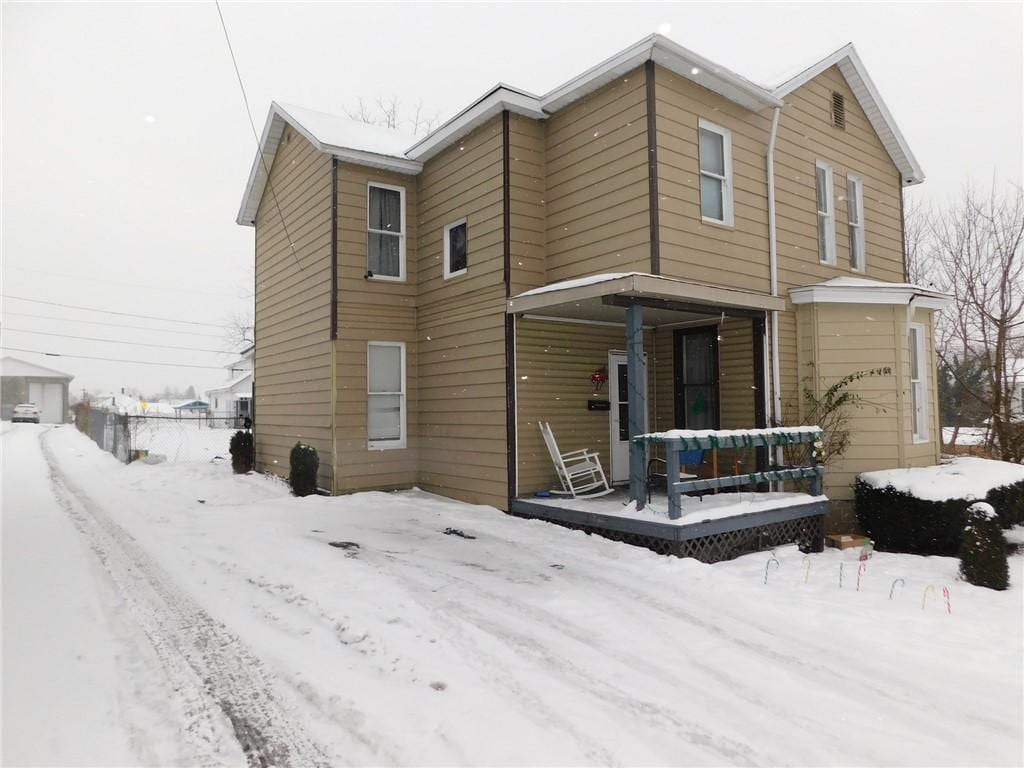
{"type": "Point", "coordinates": [746, 440]}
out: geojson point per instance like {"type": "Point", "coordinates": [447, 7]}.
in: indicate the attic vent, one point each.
{"type": "Point", "coordinates": [838, 110]}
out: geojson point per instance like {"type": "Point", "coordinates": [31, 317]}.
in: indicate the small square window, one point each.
{"type": "Point", "coordinates": [456, 248]}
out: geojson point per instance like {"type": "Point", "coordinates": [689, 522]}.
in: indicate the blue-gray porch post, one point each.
{"type": "Point", "coordinates": [636, 370]}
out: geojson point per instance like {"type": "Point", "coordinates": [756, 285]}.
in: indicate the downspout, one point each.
{"type": "Point", "coordinates": [773, 271]}
{"type": "Point", "coordinates": [334, 325]}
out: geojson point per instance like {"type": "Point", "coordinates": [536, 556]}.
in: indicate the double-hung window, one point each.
{"type": "Point", "coordinates": [456, 244]}
{"type": "Point", "coordinates": [714, 147]}
{"type": "Point", "coordinates": [385, 398]}
{"type": "Point", "coordinates": [918, 384]}
{"type": "Point", "coordinates": [385, 228]}
{"type": "Point", "coordinates": [855, 218]}
{"type": "Point", "coordinates": [826, 213]}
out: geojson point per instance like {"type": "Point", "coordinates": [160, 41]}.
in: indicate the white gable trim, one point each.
{"type": "Point", "coordinates": [273, 129]}
{"type": "Point", "coordinates": [870, 100]}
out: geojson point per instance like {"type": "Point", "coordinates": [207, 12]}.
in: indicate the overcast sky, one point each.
{"type": "Point", "coordinates": [126, 145]}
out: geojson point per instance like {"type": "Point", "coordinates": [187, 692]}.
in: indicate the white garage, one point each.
{"type": "Point", "coordinates": [25, 382]}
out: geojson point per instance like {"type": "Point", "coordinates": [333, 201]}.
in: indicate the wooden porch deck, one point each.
{"type": "Point", "coordinates": [719, 527]}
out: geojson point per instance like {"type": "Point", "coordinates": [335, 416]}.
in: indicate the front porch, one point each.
{"type": "Point", "coordinates": [608, 358]}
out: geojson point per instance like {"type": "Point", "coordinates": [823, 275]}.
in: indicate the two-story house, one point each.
{"type": "Point", "coordinates": [422, 304]}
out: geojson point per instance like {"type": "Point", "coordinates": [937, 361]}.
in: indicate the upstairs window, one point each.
{"type": "Point", "coordinates": [715, 150]}
{"type": "Point", "coordinates": [385, 225]}
{"type": "Point", "coordinates": [918, 384]}
{"type": "Point", "coordinates": [456, 244]}
{"type": "Point", "coordinates": [855, 217]}
{"type": "Point", "coordinates": [826, 213]}
{"type": "Point", "coordinates": [385, 394]}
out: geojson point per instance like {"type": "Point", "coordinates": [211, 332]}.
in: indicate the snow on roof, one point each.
{"type": "Point", "coordinates": [12, 366]}
{"type": "Point", "coordinates": [392, 150]}
{"type": "Point", "coordinates": [861, 290]}
{"type": "Point", "coordinates": [965, 477]}
{"type": "Point", "coordinates": [230, 385]}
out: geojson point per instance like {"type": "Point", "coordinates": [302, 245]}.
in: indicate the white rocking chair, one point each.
{"type": "Point", "coordinates": [580, 472]}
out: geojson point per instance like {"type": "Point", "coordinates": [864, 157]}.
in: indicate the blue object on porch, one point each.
{"type": "Point", "coordinates": [543, 494]}
{"type": "Point", "coordinates": [691, 458]}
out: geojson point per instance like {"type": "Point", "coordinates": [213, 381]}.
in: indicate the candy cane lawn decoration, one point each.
{"type": "Point", "coordinates": [807, 568]}
{"type": "Point", "coordinates": [929, 588]}
{"type": "Point", "coordinates": [840, 575]}
{"type": "Point", "coordinates": [770, 561]}
{"type": "Point", "coordinates": [945, 594]}
{"type": "Point", "coordinates": [860, 572]}
{"type": "Point", "coordinates": [902, 584]}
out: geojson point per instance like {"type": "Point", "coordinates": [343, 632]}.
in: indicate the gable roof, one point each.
{"type": "Point", "coordinates": [852, 68]}
{"type": "Point", "coordinates": [12, 366]}
{"type": "Point", "coordinates": [392, 150]}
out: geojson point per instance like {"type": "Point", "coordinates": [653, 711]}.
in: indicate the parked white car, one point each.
{"type": "Point", "coordinates": [26, 412]}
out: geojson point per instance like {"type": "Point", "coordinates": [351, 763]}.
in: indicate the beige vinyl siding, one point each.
{"type": "Point", "coordinates": [806, 134]}
{"type": "Point", "coordinates": [735, 256]}
{"type": "Point", "coordinates": [845, 338]}
{"type": "Point", "coordinates": [737, 387]}
{"type": "Point", "coordinates": [292, 357]}
{"type": "Point", "coordinates": [461, 333]}
{"type": "Point", "coordinates": [554, 363]}
{"type": "Point", "coordinates": [372, 310]}
{"type": "Point", "coordinates": [597, 186]}
{"type": "Point", "coordinates": [527, 190]}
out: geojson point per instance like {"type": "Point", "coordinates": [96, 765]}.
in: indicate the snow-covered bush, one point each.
{"type": "Point", "coordinates": [304, 463]}
{"type": "Point", "coordinates": [923, 510]}
{"type": "Point", "coordinates": [899, 522]}
{"type": "Point", "coordinates": [983, 549]}
{"type": "Point", "coordinates": [241, 452]}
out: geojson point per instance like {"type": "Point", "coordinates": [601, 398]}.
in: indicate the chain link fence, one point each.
{"type": "Point", "coordinates": [158, 438]}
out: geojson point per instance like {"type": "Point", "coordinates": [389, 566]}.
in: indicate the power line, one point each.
{"type": "Point", "coordinates": [112, 312]}
{"type": "Point", "coordinates": [105, 281]}
{"type": "Point", "coordinates": [255, 135]}
{"type": "Point", "coordinates": [113, 359]}
{"type": "Point", "coordinates": [114, 325]}
{"type": "Point", "coordinates": [118, 341]}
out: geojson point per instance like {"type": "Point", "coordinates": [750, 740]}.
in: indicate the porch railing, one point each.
{"type": "Point", "coordinates": [678, 441]}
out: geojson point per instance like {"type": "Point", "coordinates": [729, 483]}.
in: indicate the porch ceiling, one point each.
{"type": "Point", "coordinates": [666, 300]}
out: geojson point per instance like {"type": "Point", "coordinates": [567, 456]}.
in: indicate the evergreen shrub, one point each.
{"type": "Point", "coordinates": [983, 549]}
{"type": "Point", "coordinates": [242, 452]}
{"type": "Point", "coordinates": [304, 465]}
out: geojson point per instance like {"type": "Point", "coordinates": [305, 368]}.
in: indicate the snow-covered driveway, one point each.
{"type": "Point", "coordinates": [218, 612]}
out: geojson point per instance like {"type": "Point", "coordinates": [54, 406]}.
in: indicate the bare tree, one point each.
{"type": "Point", "coordinates": [239, 332]}
{"type": "Point", "coordinates": [976, 255]}
{"type": "Point", "coordinates": [390, 113]}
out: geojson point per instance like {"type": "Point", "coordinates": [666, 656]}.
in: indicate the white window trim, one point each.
{"type": "Point", "coordinates": [859, 264]}
{"type": "Point", "coordinates": [830, 214]}
{"type": "Point", "coordinates": [384, 445]}
{"type": "Point", "coordinates": [401, 235]}
{"type": "Point", "coordinates": [447, 249]}
{"type": "Point", "coordinates": [921, 435]}
{"type": "Point", "coordinates": [728, 218]}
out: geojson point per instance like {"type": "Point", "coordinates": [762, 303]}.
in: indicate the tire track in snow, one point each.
{"type": "Point", "coordinates": [208, 667]}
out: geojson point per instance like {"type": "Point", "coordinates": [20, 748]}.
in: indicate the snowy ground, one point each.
{"type": "Point", "coordinates": [177, 614]}
{"type": "Point", "coordinates": [189, 439]}
{"type": "Point", "coordinates": [965, 436]}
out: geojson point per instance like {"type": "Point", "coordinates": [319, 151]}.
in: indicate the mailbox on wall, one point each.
{"type": "Point", "coordinates": [599, 405]}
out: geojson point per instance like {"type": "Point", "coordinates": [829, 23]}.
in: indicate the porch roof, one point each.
{"type": "Point", "coordinates": [601, 297]}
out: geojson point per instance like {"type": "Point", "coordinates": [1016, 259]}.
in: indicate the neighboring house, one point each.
{"type": "Point", "coordinates": [431, 300]}
{"type": "Point", "coordinates": [231, 402]}
{"type": "Point", "coordinates": [24, 382]}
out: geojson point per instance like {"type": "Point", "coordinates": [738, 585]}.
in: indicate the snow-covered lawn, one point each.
{"type": "Point", "coordinates": [170, 439]}
{"type": "Point", "coordinates": [206, 609]}
{"type": "Point", "coordinates": [965, 435]}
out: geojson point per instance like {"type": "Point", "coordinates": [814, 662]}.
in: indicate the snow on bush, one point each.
{"type": "Point", "coordinates": [923, 510]}
{"type": "Point", "coordinates": [983, 549]}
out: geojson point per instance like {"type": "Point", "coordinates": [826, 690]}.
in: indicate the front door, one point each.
{"type": "Point", "coordinates": [618, 394]}
{"type": "Point", "coordinates": [696, 378]}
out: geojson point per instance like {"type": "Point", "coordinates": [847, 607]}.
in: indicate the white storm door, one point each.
{"type": "Point", "coordinates": [618, 416]}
